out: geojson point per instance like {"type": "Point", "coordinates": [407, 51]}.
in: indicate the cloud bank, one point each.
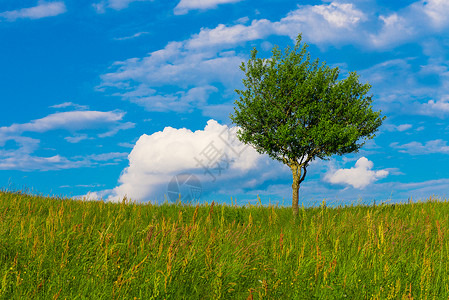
{"type": "Point", "coordinates": [19, 155]}
{"type": "Point", "coordinates": [189, 68]}
{"type": "Point", "coordinates": [359, 176]}
{"type": "Point", "coordinates": [214, 155]}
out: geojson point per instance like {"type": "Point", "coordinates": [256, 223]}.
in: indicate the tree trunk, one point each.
{"type": "Point", "coordinates": [296, 171]}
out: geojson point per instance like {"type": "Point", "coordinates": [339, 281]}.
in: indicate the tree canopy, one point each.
{"type": "Point", "coordinates": [295, 110]}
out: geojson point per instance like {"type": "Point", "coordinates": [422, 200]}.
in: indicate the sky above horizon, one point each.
{"type": "Point", "coordinates": [109, 98]}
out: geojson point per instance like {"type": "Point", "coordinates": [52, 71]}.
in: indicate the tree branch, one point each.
{"type": "Point", "coordinates": [303, 173]}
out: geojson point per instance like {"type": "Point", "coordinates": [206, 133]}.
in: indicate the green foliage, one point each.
{"type": "Point", "coordinates": [56, 248]}
{"type": "Point", "coordinates": [295, 109]}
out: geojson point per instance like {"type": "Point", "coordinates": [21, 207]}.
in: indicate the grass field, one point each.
{"type": "Point", "coordinates": [56, 248]}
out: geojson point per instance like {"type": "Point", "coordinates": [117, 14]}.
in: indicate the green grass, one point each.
{"type": "Point", "coordinates": [55, 248]}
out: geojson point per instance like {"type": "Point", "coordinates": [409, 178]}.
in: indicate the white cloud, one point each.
{"type": "Point", "coordinates": [403, 127]}
{"type": "Point", "coordinates": [70, 104]}
{"type": "Point", "coordinates": [190, 72]}
{"type": "Point", "coordinates": [117, 128]}
{"type": "Point", "coordinates": [174, 65]}
{"type": "Point", "coordinates": [390, 69]}
{"type": "Point", "coordinates": [157, 158]}
{"type": "Point", "coordinates": [436, 10]}
{"type": "Point", "coordinates": [420, 19]}
{"type": "Point", "coordinates": [320, 24]}
{"type": "Point", "coordinates": [42, 10]}
{"type": "Point", "coordinates": [20, 157]}
{"type": "Point", "coordinates": [401, 89]}
{"type": "Point", "coordinates": [197, 64]}
{"type": "Point", "coordinates": [24, 145]}
{"type": "Point", "coordinates": [400, 128]}
{"type": "Point", "coordinates": [77, 138]}
{"type": "Point", "coordinates": [359, 176]}
{"type": "Point", "coordinates": [28, 162]}
{"type": "Point", "coordinates": [136, 35]}
{"type": "Point", "coordinates": [126, 145]}
{"type": "Point", "coordinates": [339, 23]}
{"type": "Point", "coordinates": [115, 156]}
{"type": "Point", "coordinates": [223, 36]}
{"type": "Point", "coordinates": [242, 20]}
{"type": "Point", "coordinates": [423, 190]}
{"type": "Point", "coordinates": [314, 192]}
{"type": "Point", "coordinates": [114, 4]}
{"type": "Point", "coordinates": [395, 30]}
{"type": "Point", "coordinates": [184, 6]}
{"type": "Point", "coordinates": [417, 148]}
{"type": "Point", "coordinates": [71, 120]}
{"type": "Point", "coordinates": [181, 101]}
{"type": "Point", "coordinates": [121, 4]}
{"type": "Point", "coordinates": [193, 63]}
{"type": "Point", "coordinates": [332, 23]}
{"type": "Point", "coordinates": [438, 108]}
{"type": "Point", "coordinates": [342, 15]}
{"type": "Point", "coordinates": [92, 196]}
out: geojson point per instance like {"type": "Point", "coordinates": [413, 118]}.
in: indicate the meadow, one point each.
{"type": "Point", "coordinates": [60, 248]}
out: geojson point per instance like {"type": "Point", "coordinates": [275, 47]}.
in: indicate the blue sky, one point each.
{"type": "Point", "coordinates": [118, 97]}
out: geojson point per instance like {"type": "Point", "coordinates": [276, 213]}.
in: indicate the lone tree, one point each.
{"type": "Point", "coordinates": [295, 110]}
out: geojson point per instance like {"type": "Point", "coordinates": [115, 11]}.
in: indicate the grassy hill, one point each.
{"type": "Point", "coordinates": [56, 248]}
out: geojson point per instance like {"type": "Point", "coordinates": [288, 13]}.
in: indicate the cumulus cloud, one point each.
{"type": "Point", "coordinates": [184, 6]}
{"type": "Point", "coordinates": [421, 18]}
{"type": "Point", "coordinates": [227, 36]}
{"type": "Point", "coordinates": [339, 23]}
{"type": "Point", "coordinates": [320, 24]}
{"type": "Point", "coordinates": [214, 155]}
{"type": "Point", "coordinates": [42, 10]}
{"type": "Point", "coordinates": [92, 196]}
{"type": "Point", "coordinates": [332, 23]}
{"type": "Point", "coordinates": [358, 177]}
{"type": "Point", "coordinates": [439, 108]}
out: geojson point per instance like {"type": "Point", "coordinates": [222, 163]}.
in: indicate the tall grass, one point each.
{"type": "Point", "coordinates": [55, 248]}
